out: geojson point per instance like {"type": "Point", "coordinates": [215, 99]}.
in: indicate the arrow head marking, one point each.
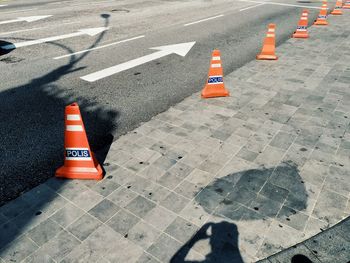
{"type": "Point", "coordinates": [181, 49]}
{"type": "Point", "coordinates": [33, 18]}
{"type": "Point", "coordinates": [93, 31]}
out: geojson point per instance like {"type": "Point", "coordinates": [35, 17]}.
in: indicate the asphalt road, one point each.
{"type": "Point", "coordinates": [35, 87]}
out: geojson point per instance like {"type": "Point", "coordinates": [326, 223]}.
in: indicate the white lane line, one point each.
{"type": "Point", "coordinates": [2, 5]}
{"type": "Point", "coordinates": [18, 11]}
{"type": "Point", "coordinates": [95, 48]}
{"type": "Point", "coordinates": [35, 28]}
{"type": "Point", "coordinates": [250, 7]}
{"type": "Point", "coordinates": [203, 20]}
{"type": "Point", "coordinates": [281, 4]}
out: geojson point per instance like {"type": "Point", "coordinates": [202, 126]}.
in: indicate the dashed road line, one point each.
{"type": "Point", "coordinates": [35, 28]}
{"type": "Point", "coordinates": [203, 20]}
{"type": "Point", "coordinates": [100, 47]}
{"type": "Point", "coordinates": [250, 7]}
{"type": "Point", "coordinates": [281, 4]}
{"type": "Point", "coordinates": [18, 11]}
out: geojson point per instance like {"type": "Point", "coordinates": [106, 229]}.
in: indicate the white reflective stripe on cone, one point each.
{"type": "Point", "coordinates": [74, 128]}
{"type": "Point", "coordinates": [73, 117]}
{"type": "Point", "coordinates": [271, 30]}
{"type": "Point", "coordinates": [216, 65]}
{"type": "Point", "coordinates": [270, 35]}
{"type": "Point", "coordinates": [216, 58]}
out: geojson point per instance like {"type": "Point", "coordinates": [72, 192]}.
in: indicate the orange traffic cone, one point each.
{"type": "Point", "coordinates": [215, 84]}
{"type": "Point", "coordinates": [79, 161]}
{"type": "Point", "coordinates": [347, 4]}
{"type": "Point", "coordinates": [322, 16]}
{"type": "Point", "coordinates": [301, 31]}
{"type": "Point", "coordinates": [337, 8]}
{"type": "Point", "coordinates": [268, 50]}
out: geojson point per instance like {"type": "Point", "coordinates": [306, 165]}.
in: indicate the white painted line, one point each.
{"type": "Point", "coordinates": [35, 28]}
{"type": "Point", "coordinates": [2, 5]}
{"type": "Point", "coordinates": [250, 7]}
{"type": "Point", "coordinates": [281, 4]}
{"type": "Point", "coordinates": [203, 20]}
{"type": "Point", "coordinates": [89, 31]}
{"type": "Point", "coordinates": [95, 48]}
{"type": "Point", "coordinates": [24, 19]}
{"type": "Point", "coordinates": [18, 11]}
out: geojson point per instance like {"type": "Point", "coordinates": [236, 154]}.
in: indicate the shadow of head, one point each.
{"type": "Point", "coordinates": [222, 238]}
{"type": "Point", "coordinates": [264, 190]}
{"type": "Point", "coordinates": [6, 47]}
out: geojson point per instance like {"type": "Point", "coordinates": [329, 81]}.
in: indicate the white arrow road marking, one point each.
{"type": "Point", "coordinates": [179, 49]}
{"type": "Point", "coordinates": [89, 31]}
{"type": "Point", "coordinates": [281, 4]}
{"type": "Point", "coordinates": [26, 19]}
{"type": "Point", "coordinates": [95, 48]}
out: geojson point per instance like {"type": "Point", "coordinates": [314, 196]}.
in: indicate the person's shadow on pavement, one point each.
{"type": "Point", "coordinates": [223, 240]}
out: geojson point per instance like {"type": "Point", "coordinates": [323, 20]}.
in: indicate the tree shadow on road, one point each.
{"type": "Point", "coordinates": [31, 145]}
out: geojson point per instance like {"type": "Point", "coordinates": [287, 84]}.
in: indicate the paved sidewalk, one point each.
{"type": "Point", "coordinates": [227, 180]}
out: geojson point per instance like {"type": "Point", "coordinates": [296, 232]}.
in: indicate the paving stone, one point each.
{"type": "Point", "coordinates": [265, 206]}
{"type": "Point", "coordinates": [282, 140]}
{"type": "Point", "coordinates": [175, 202]}
{"type": "Point", "coordinates": [60, 246]}
{"type": "Point", "coordinates": [44, 232]}
{"type": "Point", "coordinates": [181, 229]}
{"type": "Point", "coordinates": [18, 249]}
{"type": "Point", "coordinates": [329, 206]}
{"type": "Point", "coordinates": [67, 215]}
{"type": "Point", "coordinates": [122, 196]}
{"type": "Point", "coordinates": [195, 213]}
{"type": "Point", "coordinates": [38, 257]}
{"type": "Point", "coordinates": [160, 218]}
{"type": "Point", "coordinates": [143, 234]}
{"type": "Point", "coordinates": [8, 232]}
{"type": "Point", "coordinates": [187, 189]}
{"type": "Point", "coordinates": [274, 192]}
{"type": "Point", "coordinates": [87, 200]}
{"type": "Point", "coordinates": [164, 248]}
{"type": "Point", "coordinates": [147, 258]}
{"type": "Point", "coordinates": [104, 210]}
{"type": "Point", "coordinates": [105, 187]}
{"type": "Point", "coordinates": [245, 154]}
{"type": "Point", "coordinates": [95, 246]}
{"type": "Point", "coordinates": [169, 180]}
{"type": "Point", "coordinates": [124, 251]}
{"type": "Point", "coordinates": [84, 226]}
{"type": "Point", "coordinates": [140, 206]}
{"type": "Point", "coordinates": [292, 218]}
{"type": "Point", "coordinates": [122, 221]}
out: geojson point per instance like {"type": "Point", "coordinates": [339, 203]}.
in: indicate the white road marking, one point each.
{"type": "Point", "coordinates": [179, 49]}
{"type": "Point", "coordinates": [26, 19]}
{"type": "Point", "coordinates": [35, 28]}
{"type": "Point", "coordinates": [203, 20]}
{"type": "Point", "coordinates": [281, 4]}
{"type": "Point", "coordinates": [2, 5]}
{"type": "Point", "coordinates": [95, 48]}
{"type": "Point", "coordinates": [89, 31]}
{"type": "Point", "coordinates": [18, 11]}
{"type": "Point", "coordinates": [250, 7]}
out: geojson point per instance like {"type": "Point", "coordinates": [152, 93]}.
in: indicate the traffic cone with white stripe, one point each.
{"type": "Point", "coordinates": [347, 4]}
{"type": "Point", "coordinates": [79, 160]}
{"type": "Point", "coordinates": [322, 16]}
{"type": "Point", "coordinates": [301, 31]}
{"type": "Point", "coordinates": [215, 84]}
{"type": "Point", "coordinates": [268, 50]}
{"type": "Point", "coordinates": [337, 8]}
